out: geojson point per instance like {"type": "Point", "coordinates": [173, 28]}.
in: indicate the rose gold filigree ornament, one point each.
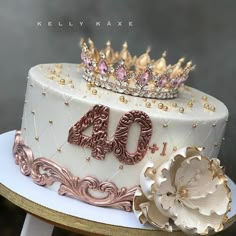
{"type": "Point", "coordinates": [188, 190]}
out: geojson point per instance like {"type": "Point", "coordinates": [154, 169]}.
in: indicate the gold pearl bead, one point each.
{"type": "Point", "coordinates": [121, 167]}
{"type": "Point", "coordinates": [165, 108]}
{"type": "Point", "coordinates": [62, 82]}
{"type": "Point", "coordinates": [94, 92]}
{"type": "Point", "coordinates": [174, 149]}
{"type": "Point", "coordinates": [43, 93]}
{"type": "Point", "coordinates": [212, 108]}
{"type": "Point", "coordinates": [88, 158]}
{"type": "Point", "coordinates": [66, 103]}
{"type": "Point", "coordinates": [204, 98]}
{"type": "Point", "coordinates": [59, 149]}
{"type": "Point", "coordinates": [122, 98]}
{"type": "Point", "coordinates": [181, 110]}
{"type": "Point", "coordinates": [194, 125]}
{"type": "Point", "coordinates": [206, 105]}
{"type": "Point", "coordinates": [214, 125]}
{"type": "Point", "coordinates": [165, 125]}
{"type": "Point", "coordinates": [148, 104]}
{"type": "Point", "coordinates": [190, 104]}
{"type": "Point", "coordinates": [160, 105]}
{"type": "Point", "coordinates": [37, 138]}
{"type": "Point", "coordinates": [50, 121]}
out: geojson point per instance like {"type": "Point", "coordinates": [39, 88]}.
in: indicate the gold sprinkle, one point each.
{"type": "Point", "coordinates": [43, 93]}
{"type": "Point", "coordinates": [122, 98]}
{"type": "Point", "coordinates": [148, 104]}
{"type": "Point", "coordinates": [206, 105]}
{"type": "Point", "coordinates": [59, 149]}
{"type": "Point", "coordinates": [214, 125]}
{"type": "Point", "coordinates": [66, 103]}
{"type": "Point", "coordinates": [165, 108]}
{"type": "Point", "coordinates": [50, 121]}
{"type": "Point", "coordinates": [181, 110]}
{"type": "Point", "coordinates": [89, 85]}
{"type": "Point", "coordinates": [174, 149]}
{"type": "Point", "coordinates": [94, 92]}
{"type": "Point", "coordinates": [190, 104]}
{"type": "Point", "coordinates": [194, 125]}
{"type": "Point", "coordinates": [126, 101]}
{"type": "Point", "coordinates": [121, 167]}
{"type": "Point", "coordinates": [160, 105]}
{"type": "Point", "coordinates": [204, 98]}
{"type": "Point", "coordinates": [165, 125]}
{"type": "Point", "coordinates": [62, 82]}
{"type": "Point", "coordinates": [212, 108]}
{"type": "Point", "coordinates": [216, 144]}
{"type": "Point", "coordinates": [37, 138]}
{"type": "Point", "coordinates": [88, 158]}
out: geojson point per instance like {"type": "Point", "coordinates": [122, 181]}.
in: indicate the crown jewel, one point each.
{"type": "Point", "coordinates": [137, 76]}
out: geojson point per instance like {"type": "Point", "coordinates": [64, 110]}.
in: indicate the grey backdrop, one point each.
{"type": "Point", "coordinates": [202, 30]}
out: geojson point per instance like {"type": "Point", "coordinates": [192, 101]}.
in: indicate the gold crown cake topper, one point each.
{"type": "Point", "coordinates": [137, 76]}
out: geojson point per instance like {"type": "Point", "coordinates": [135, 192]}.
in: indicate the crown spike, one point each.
{"type": "Point", "coordinates": [125, 55]}
{"type": "Point", "coordinates": [94, 52]}
{"type": "Point", "coordinates": [142, 61]}
{"type": "Point", "coordinates": [164, 54]}
{"type": "Point", "coordinates": [109, 52]}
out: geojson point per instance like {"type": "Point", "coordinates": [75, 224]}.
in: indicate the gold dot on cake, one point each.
{"type": "Point", "coordinates": [59, 149]}
{"type": "Point", "coordinates": [37, 138]}
{"type": "Point", "coordinates": [206, 105]}
{"type": "Point", "coordinates": [190, 104]}
{"type": "Point", "coordinates": [194, 125]}
{"type": "Point", "coordinates": [43, 93]}
{"type": "Point", "coordinates": [181, 110]}
{"type": "Point", "coordinates": [212, 108]}
{"type": "Point", "coordinates": [174, 149]}
{"type": "Point", "coordinates": [62, 82]}
{"type": "Point", "coordinates": [33, 112]}
{"type": "Point", "coordinates": [122, 98]}
{"type": "Point", "coordinates": [160, 105]}
{"type": "Point", "coordinates": [50, 121]}
{"type": "Point", "coordinates": [214, 125]}
{"type": "Point", "coordinates": [216, 144]}
{"type": "Point", "coordinates": [148, 104]}
{"type": "Point", "coordinates": [66, 103]}
{"type": "Point", "coordinates": [88, 158]}
{"type": "Point", "coordinates": [204, 98]}
{"type": "Point", "coordinates": [165, 125]}
{"type": "Point", "coordinates": [94, 92]}
{"type": "Point", "coordinates": [121, 167]}
{"type": "Point", "coordinates": [165, 108]}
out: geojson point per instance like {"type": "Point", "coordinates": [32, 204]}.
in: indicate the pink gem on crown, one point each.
{"type": "Point", "coordinates": [142, 77]}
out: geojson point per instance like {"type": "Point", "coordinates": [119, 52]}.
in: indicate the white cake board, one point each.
{"type": "Point", "coordinates": [46, 203]}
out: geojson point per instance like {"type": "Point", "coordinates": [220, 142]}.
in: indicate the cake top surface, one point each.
{"type": "Point", "coordinates": [67, 80]}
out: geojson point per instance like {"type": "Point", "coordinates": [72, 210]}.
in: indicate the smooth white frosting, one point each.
{"type": "Point", "coordinates": [45, 100]}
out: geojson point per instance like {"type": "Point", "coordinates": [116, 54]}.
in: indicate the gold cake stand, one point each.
{"type": "Point", "coordinates": [77, 224]}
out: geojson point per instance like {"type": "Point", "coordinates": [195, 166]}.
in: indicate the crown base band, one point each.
{"type": "Point", "coordinates": [158, 93]}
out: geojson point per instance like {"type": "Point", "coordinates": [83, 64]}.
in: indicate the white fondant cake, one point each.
{"type": "Point", "coordinates": [57, 98]}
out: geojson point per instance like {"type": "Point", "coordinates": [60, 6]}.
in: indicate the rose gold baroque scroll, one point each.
{"type": "Point", "coordinates": [23, 155]}
{"type": "Point", "coordinates": [46, 172]}
{"type": "Point", "coordinates": [98, 117]}
{"type": "Point", "coordinates": [121, 137]}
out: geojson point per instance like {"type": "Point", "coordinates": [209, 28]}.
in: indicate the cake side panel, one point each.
{"type": "Point", "coordinates": [49, 115]}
